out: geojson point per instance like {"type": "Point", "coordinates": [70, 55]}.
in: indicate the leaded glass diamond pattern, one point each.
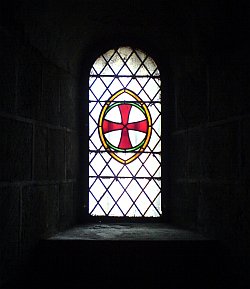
{"type": "Point", "coordinates": [125, 188]}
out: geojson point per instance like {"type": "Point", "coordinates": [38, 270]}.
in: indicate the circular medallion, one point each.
{"type": "Point", "coordinates": [125, 126]}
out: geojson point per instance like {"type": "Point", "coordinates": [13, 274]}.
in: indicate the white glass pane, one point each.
{"type": "Point", "coordinates": [143, 203]}
{"type": "Point", "coordinates": [106, 203]}
{"type": "Point", "coordinates": [140, 54]}
{"type": "Point", "coordinates": [95, 142]}
{"type": "Point", "coordinates": [98, 211]}
{"type": "Point", "coordinates": [116, 212]}
{"type": "Point", "coordinates": [150, 64]}
{"type": "Point", "coordinates": [97, 164]}
{"type": "Point", "coordinates": [135, 87]}
{"type": "Point", "coordinates": [125, 52]}
{"type": "Point", "coordinates": [107, 70]}
{"type": "Point", "coordinates": [125, 97]}
{"type": "Point", "coordinates": [136, 137]}
{"type": "Point", "coordinates": [98, 189]}
{"type": "Point", "coordinates": [115, 86]}
{"type": "Point", "coordinates": [114, 114]}
{"type": "Point", "coordinates": [136, 115]}
{"type": "Point", "coordinates": [134, 190]}
{"type": "Point", "coordinates": [98, 88]}
{"type": "Point", "coordinates": [114, 137]}
{"type": "Point", "coordinates": [133, 63]}
{"type": "Point", "coordinates": [125, 172]}
{"type": "Point", "coordinates": [116, 63]}
{"type": "Point", "coordinates": [125, 203]}
{"type": "Point", "coordinates": [99, 65]}
{"type": "Point", "coordinates": [125, 71]}
{"type": "Point", "coordinates": [125, 81]}
{"type": "Point", "coordinates": [108, 55]}
{"type": "Point", "coordinates": [154, 140]}
{"type": "Point", "coordinates": [152, 88]}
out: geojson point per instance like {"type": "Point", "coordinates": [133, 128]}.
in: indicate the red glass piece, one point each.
{"type": "Point", "coordinates": [125, 110]}
{"type": "Point", "coordinates": [125, 142]}
{"type": "Point", "coordinates": [141, 126]}
{"type": "Point", "coordinates": [109, 126]}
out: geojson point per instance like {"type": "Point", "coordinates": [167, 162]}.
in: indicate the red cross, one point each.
{"type": "Point", "coordinates": [109, 126]}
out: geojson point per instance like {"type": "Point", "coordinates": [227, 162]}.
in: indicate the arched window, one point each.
{"type": "Point", "coordinates": [125, 135]}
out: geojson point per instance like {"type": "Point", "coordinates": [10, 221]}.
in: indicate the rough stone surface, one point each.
{"type": "Point", "coordinates": [184, 204]}
{"type": "Point", "coordinates": [220, 152]}
{"type": "Point", "coordinates": [7, 72]}
{"type": "Point", "coordinates": [52, 208]}
{"type": "Point", "coordinates": [228, 89]}
{"type": "Point", "coordinates": [127, 232]}
{"type": "Point", "coordinates": [192, 99]}
{"type": "Point", "coordinates": [34, 201]}
{"type": "Point", "coordinates": [16, 150]}
{"type": "Point", "coordinates": [220, 207]}
{"type": "Point", "coordinates": [29, 84]}
{"type": "Point", "coordinates": [50, 101]}
{"type": "Point", "coordinates": [40, 214]}
{"type": "Point", "coordinates": [41, 153]}
{"type": "Point", "coordinates": [66, 205]}
{"type": "Point", "coordinates": [56, 154]}
{"type": "Point", "coordinates": [245, 153]}
{"type": "Point", "coordinates": [194, 153]}
{"type": "Point", "coordinates": [71, 148]}
{"type": "Point", "coordinates": [178, 156]}
{"type": "Point", "coordinates": [68, 102]}
{"type": "Point", "coordinates": [9, 230]}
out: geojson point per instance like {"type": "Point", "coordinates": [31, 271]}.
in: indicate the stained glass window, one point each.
{"type": "Point", "coordinates": [125, 135]}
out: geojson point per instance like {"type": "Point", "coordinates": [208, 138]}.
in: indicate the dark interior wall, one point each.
{"type": "Point", "coordinates": [210, 167]}
{"type": "Point", "coordinates": [38, 150]}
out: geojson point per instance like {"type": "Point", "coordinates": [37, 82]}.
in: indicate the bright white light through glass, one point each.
{"type": "Point", "coordinates": [125, 135]}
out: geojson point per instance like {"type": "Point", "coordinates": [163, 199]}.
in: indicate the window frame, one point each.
{"type": "Point", "coordinates": [166, 91]}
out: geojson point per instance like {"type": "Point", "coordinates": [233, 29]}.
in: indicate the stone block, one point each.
{"type": "Point", "coordinates": [9, 231]}
{"type": "Point", "coordinates": [228, 91]}
{"type": "Point", "coordinates": [68, 101]}
{"type": "Point", "coordinates": [71, 144]}
{"type": "Point", "coordinates": [16, 150]}
{"type": "Point", "coordinates": [34, 202]}
{"type": "Point", "coordinates": [184, 204]}
{"type": "Point", "coordinates": [50, 101]}
{"type": "Point", "coordinates": [244, 87]}
{"type": "Point", "coordinates": [7, 72]}
{"type": "Point", "coordinates": [220, 151]}
{"type": "Point", "coordinates": [52, 211]}
{"type": "Point", "coordinates": [219, 211]}
{"type": "Point", "coordinates": [56, 154]}
{"type": "Point", "coordinates": [39, 214]}
{"type": "Point", "coordinates": [245, 153]}
{"type": "Point", "coordinates": [29, 84]}
{"type": "Point", "coordinates": [67, 205]}
{"type": "Point", "coordinates": [243, 217]}
{"type": "Point", "coordinates": [178, 156]}
{"type": "Point", "coordinates": [194, 154]}
{"type": "Point", "coordinates": [192, 100]}
{"type": "Point", "coordinates": [41, 153]}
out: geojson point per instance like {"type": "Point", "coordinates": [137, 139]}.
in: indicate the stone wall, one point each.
{"type": "Point", "coordinates": [38, 150]}
{"type": "Point", "coordinates": [210, 145]}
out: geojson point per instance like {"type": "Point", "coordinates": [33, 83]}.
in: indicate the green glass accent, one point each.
{"type": "Point", "coordinates": [127, 150]}
{"type": "Point", "coordinates": [111, 106]}
{"type": "Point", "coordinates": [135, 148]}
{"type": "Point", "coordinates": [118, 103]}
